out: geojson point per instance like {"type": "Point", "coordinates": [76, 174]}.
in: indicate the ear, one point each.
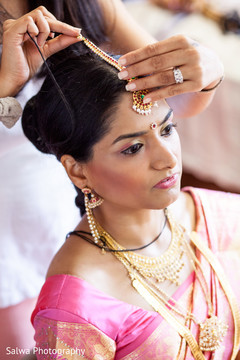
{"type": "Point", "coordinates": [75, 171]}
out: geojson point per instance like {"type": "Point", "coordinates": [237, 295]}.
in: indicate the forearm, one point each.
{"type": "Point", "coordinates": [7, 88]}
{"type": "Point", "coordinates": [124, 33]}
{"type": "Point", "coordinates": [190, 104]}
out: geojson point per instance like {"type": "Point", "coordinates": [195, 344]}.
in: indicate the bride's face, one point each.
{"type": "Point", "coordinates": [136, 165]}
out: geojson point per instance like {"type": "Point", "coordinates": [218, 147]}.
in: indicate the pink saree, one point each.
{"type": "Point", "coordinates": [74, 320]}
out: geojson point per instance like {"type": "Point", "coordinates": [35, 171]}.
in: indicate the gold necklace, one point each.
{"type": "Point", "coordinates": [164, 267]}
{"type": "Point", "coordinates": [212, 330]}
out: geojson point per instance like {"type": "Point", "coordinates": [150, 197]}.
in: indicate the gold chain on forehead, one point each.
{"type": "Point", "coordinates": [138, 96]}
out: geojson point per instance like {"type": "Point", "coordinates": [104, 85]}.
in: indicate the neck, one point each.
{"type": "Point", "coordinates": [131, 228]}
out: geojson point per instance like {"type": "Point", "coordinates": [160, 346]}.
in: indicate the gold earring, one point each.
{"type": "Point", "coordinates": [95, 200]}
{"type": "Point", "coordinates": [89, 205]}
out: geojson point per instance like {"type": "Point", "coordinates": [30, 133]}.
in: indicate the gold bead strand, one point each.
{"type": "Point", "coordinates": [101, 53]}
{"type": "Point", "coordinates": [138, 96]}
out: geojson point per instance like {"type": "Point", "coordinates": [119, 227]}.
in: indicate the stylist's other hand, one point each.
{"type": "Point", "coordinates": [200, 67]}
{"type": "Point", "coordinates": [20, 57]}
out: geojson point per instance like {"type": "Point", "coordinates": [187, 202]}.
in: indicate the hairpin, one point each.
{"type": "Point", "coordinates": [138, 96]}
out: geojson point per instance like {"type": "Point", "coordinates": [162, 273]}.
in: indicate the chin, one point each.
{"type": "Point", "coordinates": [167, 197]}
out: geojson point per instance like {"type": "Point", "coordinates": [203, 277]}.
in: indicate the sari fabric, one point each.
{"type": "Point", "coordinates": [74, 320]}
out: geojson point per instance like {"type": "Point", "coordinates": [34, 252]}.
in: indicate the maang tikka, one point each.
{"type": "Point", "coordinates": [138, 96]}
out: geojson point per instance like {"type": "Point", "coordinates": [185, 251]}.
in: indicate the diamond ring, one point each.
{"type": "Point", "coordinates": [178, 76]}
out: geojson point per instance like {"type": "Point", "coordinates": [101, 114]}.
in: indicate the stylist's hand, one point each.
{"type": "Point", "coordinates": [200, 67]}
{"type": "Point", "coordinates": [20, 57]}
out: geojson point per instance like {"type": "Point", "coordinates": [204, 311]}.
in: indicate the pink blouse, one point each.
{"type": "Point", "coordinates": [73, 319]}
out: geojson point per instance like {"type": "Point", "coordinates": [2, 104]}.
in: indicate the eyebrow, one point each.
{"type": "Point", "coordinates": [141, 133]}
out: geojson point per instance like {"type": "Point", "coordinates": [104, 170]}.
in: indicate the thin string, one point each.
{"type": "Point", "coordinates": [82, 234]}
{"type": "Point", "coordinates": [66, 103]}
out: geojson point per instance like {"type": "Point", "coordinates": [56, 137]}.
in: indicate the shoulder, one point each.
{"type": "Point", "coordinates": [222, 204]}
{"type": "Point", "coordinates": [79, 258]}
{"type": "Point", "coordinates": [68, 298]}
{"type": "Point", "coordinates": [76, 257]}
{"type": "Point", "coordinates": [220, 212]}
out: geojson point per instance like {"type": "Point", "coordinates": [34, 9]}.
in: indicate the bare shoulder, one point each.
{"type": "Point", "coordinates": [79, 258]}
{"type": "Point", "coordinates": [74, 256]}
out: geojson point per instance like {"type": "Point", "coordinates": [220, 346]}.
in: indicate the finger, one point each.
{"type": "Point", "coordinates": [29, 26]}
{"type": "Point", "coordinates": [60, 27]}
{"type": "Point", "coordinates": [16, 29]}
{"type": "Point", "coordinates": [45, 20]}
{"type": "Point", "coordinates": [170, 91]}
{"type": "Point", "coordinates": [58, 43]}
{"type": "Point", "coordinates": [163, 78]}
{"type": "Point", "coordinates": [8, 23]}
{"type": "Point", "coordinates": [44, 11]}
{"type": "Point", "coordinates": [158, 48]}
{"type": "Point", "coordinates": [156, 64]}
{"type": "Point", "coordinates": [26, 37]}
{"type": "Point", "coordinates": [51, 35]}
{"type": "Point", "coordinates": [43, 27]}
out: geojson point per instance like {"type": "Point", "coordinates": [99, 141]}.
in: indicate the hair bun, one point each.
{"type": "Point", "coordinates": [30, 125]}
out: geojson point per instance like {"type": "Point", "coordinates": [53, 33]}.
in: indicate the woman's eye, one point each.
{"type": "Point", "coordinates": [132, 149]}
{"type": "Point", "coordinates": [168, 129]}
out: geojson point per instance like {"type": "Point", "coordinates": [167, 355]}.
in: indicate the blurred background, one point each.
{"type": "Point", "coordinates": [211, 140]}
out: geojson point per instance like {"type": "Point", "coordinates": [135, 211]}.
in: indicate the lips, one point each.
{"type": "Point", "coordinates": [167, 182]}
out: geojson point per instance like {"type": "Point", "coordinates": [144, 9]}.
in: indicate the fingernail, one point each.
{"type": "Point", "coordinates": [78, 29]}
{"type": "Point", "coordinates": [122, 61]}
{"type": "Point", "coordinates": [79, 32]}
{"type": "Point", "coordinates": [123, 75]}
{"type": "Point", "coordinates": [130, 86]}
{"type": "Point", "coordinates": [146, 100]}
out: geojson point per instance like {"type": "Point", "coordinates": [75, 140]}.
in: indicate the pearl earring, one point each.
{"type": "Point", "coordinates": [90, 204]}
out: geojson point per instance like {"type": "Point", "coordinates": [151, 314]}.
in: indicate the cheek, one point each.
{"type": "Point", "coordinates": [178, 150]}
{"type": "Point", "coordinates": [112, 181]}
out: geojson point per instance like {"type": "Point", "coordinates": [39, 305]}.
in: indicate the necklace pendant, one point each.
{"type": "Point", "coordinates": [212, 332]}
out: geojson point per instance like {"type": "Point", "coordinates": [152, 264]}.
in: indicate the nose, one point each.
{"type": "Point", "coordinates": [163, 153]}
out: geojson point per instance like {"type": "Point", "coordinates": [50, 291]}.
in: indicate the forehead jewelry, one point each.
{"type": "Point", "coordinates": [153, 126]}
{"type": "Point", "coordinates": [138, 96]}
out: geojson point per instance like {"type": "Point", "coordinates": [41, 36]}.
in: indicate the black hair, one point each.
{"type": "Point", "coordinates": [85, 14]}
{"type": "Point", "coordinates": [92, 89]}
